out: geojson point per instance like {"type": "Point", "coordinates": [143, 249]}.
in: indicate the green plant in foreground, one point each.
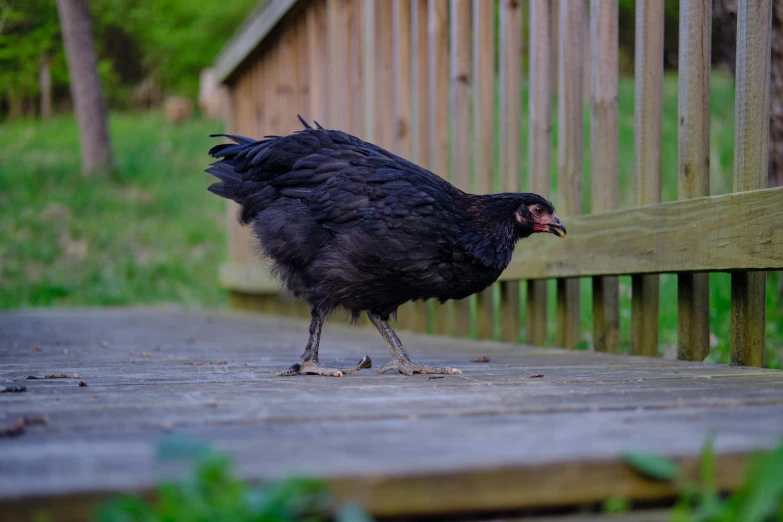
{"type": "Point", "coordinates": [213, 494]}
{"type": "Point", "coordinates": [758, 499]}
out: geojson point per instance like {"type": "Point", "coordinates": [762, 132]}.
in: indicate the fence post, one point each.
{"type": "Point", "coordinates": [540, 147]}
{"type": "Point", "coordinates": [693, 290]}
{"type": "Point", "coordinates": [438, 48]}
{"type": "Point", "coordinates": [484, 132]}
{"type": "Point", "coordinates": [511, 54]}
{"type": "Point", "coordinates": [648, 116]}
{"type": "Point", "coordinates": [459, 97]}
{"type": "Point", "coordinates": [338, 70]}
{"type": "Point", "coordinates": [751, 157]}
{"type": "Point", "coordinates": [569, 152]}
{"type": "Point", "coordinates": [603, 156]}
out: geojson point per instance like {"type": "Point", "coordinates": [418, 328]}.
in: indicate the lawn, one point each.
{"type": "Point", "coordinates": [149, 234]}
{"type": "Point", "coordinates": [153, 234]}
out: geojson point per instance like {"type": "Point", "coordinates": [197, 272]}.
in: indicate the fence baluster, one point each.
{"type": "Point", "coordinates": [511, 53]}
{"type": "Point", "coordinates": [751, 156]}
{"type": "Point", "coordinates": [483, 133]}
{"type": "Point", "coordinates": [648, 115]}
{"type": "Point", "coordinates": [461, 81]}
{"type": "Point", "coordinates": [569, 153]}
{"type": "Point", "coordinates": [603, 157]}
{"type": "Point", "coordinates": [540, 147]}
{"type": "Point", "coordinates": [693, 289]}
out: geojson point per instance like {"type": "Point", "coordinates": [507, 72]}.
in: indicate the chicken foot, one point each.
{"type": "Point", "coordinates": [400, 360]}
{"type": "Point", "coordinates": [309, 363]}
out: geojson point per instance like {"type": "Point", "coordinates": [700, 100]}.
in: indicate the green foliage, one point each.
{"type": "Point", "coordinates": [652, 466]}
{"type": "Point", "coordinates": [150, 234]}
{"type": "Point", "coordinates": [213, 493]}
{"type": "Point", "coordinates": [168, 40]}
{"type": "Point", "coordinates": [758, 499]}
{"type": "Point", "coordinates": [31, 31]}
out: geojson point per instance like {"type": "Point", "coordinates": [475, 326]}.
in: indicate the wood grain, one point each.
{"type": "Point", "coordinates": [383, 95]}
{"type": "Point", "coordinates": [460, 100]}
{"type": "Point", "coordinates": [510, 79]}
{"type": "Point", "coordinates": [604, 178]}
{"type": "Point", "coordinates": [419, 122]}
{"type": "Point", "coordinates": [569, 152]}
{"type": "Point", "coordinates": [648, 117]}
{"type": "Point", "coordinates": [402, 87]}
{"type": "Point", "coordinates": [401, 34]}
{"type": "Point", "coordinates": [711, 234]}
{"type": "Point", "coordinates": [539, 147]}
{"type": "Point", "coordinates": [488, 440]}
{"type": "Point", "coordinates": [338, 65]}
{"type": "Point", "coordinates": [693, 294]}
{"type": "Point", "coordinates": [751, 156]}
{"type": "Point", "coordinates": [438, 116]}
{"type": "Point", "coordinates": [484, 135]}
{"type": "Point", "coordinates": [315, 19]}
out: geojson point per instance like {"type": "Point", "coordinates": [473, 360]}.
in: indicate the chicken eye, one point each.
{"type": "Point", "coordinates": [539, 210]}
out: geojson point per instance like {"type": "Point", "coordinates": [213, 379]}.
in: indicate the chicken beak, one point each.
{"type": "Point", "coordinates": [557, 229]}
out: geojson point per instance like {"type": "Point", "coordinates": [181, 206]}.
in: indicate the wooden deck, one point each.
{"type": "Point", "coordinates": [532, 428]}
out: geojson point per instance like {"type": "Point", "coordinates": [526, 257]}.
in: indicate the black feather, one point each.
{"type": "Point", "coordinates": [349, 224]}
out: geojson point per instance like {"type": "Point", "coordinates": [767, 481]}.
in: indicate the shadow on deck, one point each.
{"type": "Point", "coordinates": [531, 428]}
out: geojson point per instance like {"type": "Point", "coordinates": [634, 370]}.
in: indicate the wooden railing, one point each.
{"type": "Point", "coordinates": [431, 81]}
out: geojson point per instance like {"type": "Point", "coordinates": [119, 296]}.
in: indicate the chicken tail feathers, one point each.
{"type": "Point", "coordinates": [231, 184]}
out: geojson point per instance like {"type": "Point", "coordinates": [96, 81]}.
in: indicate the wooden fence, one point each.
{"type": "Point", "coordinates": [431, 81]}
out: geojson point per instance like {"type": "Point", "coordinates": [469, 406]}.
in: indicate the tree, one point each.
{"type": "Point", "coordinates": [89, 105]}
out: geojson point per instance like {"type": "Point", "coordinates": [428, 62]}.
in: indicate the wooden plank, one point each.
{"type": "Point", "coordinates": [402, 87]}
{"type": "Point", "coordinates": [751, 157]}
{"type": "Point", "coordinates": [438, 115]}
{"type": "Point", "coordinates": [401, 31]}
{"type": "Point", "coordinates": [286, 80]}
{"type": "Point", "coordinates": [419, 123]}
{"type": "Point", "coordinates": [693, 290]}
{"type": "Point", "coordinates": [370, 55]}
{"type": "Point", "coordinates": [358, 93]}
{"type": "Point", "coordinates": [315, 19]}
{"type": "Point", "coordinates": [539, 146]}
{"type": "Point", "coordinates": [510, 78]}
{"type": "Point", "coordinates": [708, 234]}
{"type": "Point", "coordinates": [569, 152]}
{"type": "Point", "coordinates": [338, 14]}
{"type": "Point", "coordinates": [249, 36]}
{"type": "Point", "coordinates": [383, 95]}
{"type": "Point", "coordinates": [648, 117]}
{"type": "Point", "coordinates": [484, 135]}
{"type": "Point", "coordinates": [302, 68]}
{"type": "Point", "coordinates": [604, 180]}
{"type": "Point", "coordinates": [212, 378]}
{"type": "Point", "coordinates": [461, 144]}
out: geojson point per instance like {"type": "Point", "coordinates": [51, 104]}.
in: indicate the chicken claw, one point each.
{"type": "Point", "coordinates": [400, 360]}
{"type": "Point", "coordinates": [409, 368]}
{"type": "Point", "coordinates": [315, 368]}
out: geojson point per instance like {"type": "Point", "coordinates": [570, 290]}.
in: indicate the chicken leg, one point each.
{"type": "Point", "coordinates": [309, 363]}
{"type": "Point", "coordinates": [400, 360]}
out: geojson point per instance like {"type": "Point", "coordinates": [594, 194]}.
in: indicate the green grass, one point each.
{"type": "Point", "coordinates": [149, 234]}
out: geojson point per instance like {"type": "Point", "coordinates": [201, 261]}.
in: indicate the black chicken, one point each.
{"type": "Point", "coordinates": [348, 224]}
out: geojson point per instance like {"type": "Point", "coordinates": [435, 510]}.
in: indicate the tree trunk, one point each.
{"type": "Point", "coordinates": [88, 101]}
{"type": "Point", "coordinates": [45, 80]}
{"type": "Point", "coordinates": [15, 105]}
{"type": "Point", "coordinates": [725, 45]}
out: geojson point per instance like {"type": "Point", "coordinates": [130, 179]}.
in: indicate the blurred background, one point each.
{"type": "Point", "coordinates": [138, 227]}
